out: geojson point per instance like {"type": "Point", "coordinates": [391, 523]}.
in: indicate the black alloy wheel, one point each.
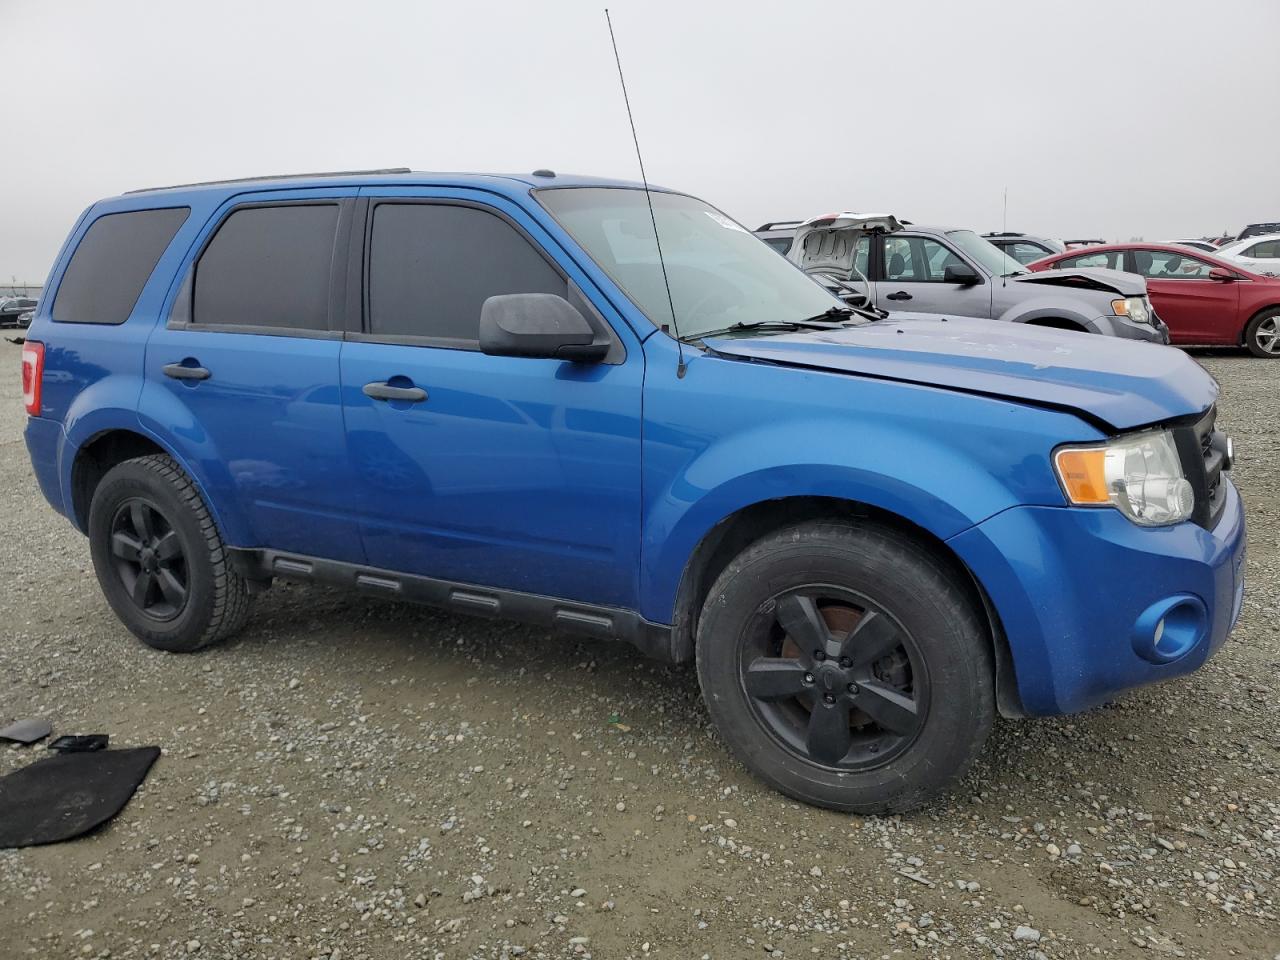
{"type": "Point", "coordinates": [148, 558]}
{"type": "Point", "coordinates": [834, 677]}
{"type": "Point", "coordinates": [160, 559]}
{"type": "Point", "coordinates": [846, 663]}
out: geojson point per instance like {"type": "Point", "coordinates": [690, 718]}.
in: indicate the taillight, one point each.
{"type": "Point", "coordinates": [32, 375]}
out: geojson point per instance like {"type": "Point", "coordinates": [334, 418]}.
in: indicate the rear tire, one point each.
{"type": "Point", "coordinates": [902, 698]}
{"type": "Point", "coordinates": [1262, 335]}
{"type": "Point", "coordinates": [160, 559]}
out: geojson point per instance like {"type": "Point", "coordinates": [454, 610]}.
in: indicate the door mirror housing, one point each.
{"type": "Point", "coordinates": [960, 273]}
{"type": "Point", "coordinates": [539, 325]}
{"type": "Point", "coordinates": [1221, 274]}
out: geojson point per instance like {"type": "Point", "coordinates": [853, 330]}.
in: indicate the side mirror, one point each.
{"type": "Point", "coordinates": [537, 325]}
{"type": "Point", "coordinates": [960, 273]}
{"type": "Point", "coordinates": [1221, 274]}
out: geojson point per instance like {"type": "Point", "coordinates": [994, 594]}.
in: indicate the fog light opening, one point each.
{"type": "Point", "coordinates": [1170, 629]}
{"type": "Point", "coordinates": [1178, 631]}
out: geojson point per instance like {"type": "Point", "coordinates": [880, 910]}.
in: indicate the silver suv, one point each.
{"type": "Point", "coordinates": [877, 261]}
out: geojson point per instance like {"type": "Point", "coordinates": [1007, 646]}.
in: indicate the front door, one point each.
{"type": "Point", "coordinates": [505, 472]}
{"type": "Point", "coordinates": [1197, 309]}
{"type": "Point", "coordinates": [911, 277]}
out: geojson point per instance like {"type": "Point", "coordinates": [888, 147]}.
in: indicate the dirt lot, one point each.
{"type": "Point", "coordinates": [359, 779]}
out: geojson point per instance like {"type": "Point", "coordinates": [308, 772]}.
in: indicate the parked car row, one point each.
{"type": "Point", "coordinates": [1186, 292]}
{"type": "Point", "coordinates": [16, 311]}
{"type": "Point", "coordinates": [880, 262]}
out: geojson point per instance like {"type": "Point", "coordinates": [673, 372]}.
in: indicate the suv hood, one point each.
{"type": "Point", "coordinates": [1089, 278]}
{"type": "Point", "coordinates": [1118, 384]}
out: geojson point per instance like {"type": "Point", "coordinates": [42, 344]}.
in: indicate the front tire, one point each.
{"type": "Point", "coordinates": [846, 666]}
{"type": "Point", "coordinates": [159, 558]}
{"type": "Point", "coordinates": [1262, 335]}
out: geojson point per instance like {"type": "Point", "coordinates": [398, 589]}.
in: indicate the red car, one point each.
{"type": "Point", "coordinates": [1204, 299]}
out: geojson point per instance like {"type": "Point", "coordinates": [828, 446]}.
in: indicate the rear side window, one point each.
{"type": "Point", "coordinates": [1109, 259]}
{"type": "Point", "coordinates": [112, 263]}
{"type": "Point", "coordinates": [1024, 251]}
{"type": "Point", "coordinates": [268, 267]}
{"type": "Point", "coordinates": [432, 266]}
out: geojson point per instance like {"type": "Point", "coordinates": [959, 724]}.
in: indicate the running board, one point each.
{"type": "Point", "coordinates": [570, 616]}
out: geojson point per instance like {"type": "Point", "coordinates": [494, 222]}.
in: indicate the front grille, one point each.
{"type": "Point", "coordinates": [1203, 451]}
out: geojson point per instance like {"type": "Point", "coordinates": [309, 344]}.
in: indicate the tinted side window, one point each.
{"type": "Point", "coordinates": [1267, 250]}
{"type": "Point", "coordinates": [112, 263]}
{"type": "Point", "coordinates": [432, 266]}
{"type": "Point", "coordinates": [268, 267]}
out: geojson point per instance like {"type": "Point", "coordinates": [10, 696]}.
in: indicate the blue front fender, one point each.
{"type": "Point", "coordinates": [942, 460]}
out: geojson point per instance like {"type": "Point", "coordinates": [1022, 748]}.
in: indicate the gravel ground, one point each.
{"type": "Point", "coordinates": [355, 779]}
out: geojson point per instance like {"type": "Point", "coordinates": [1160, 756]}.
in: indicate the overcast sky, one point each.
{"type": "Point", "coordinates": [1106, 119]}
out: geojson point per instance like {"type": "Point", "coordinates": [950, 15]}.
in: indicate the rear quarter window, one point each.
{"type": "Point", "coordinates": [112, 264]}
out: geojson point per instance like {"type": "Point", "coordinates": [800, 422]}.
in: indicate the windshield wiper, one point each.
{"type": "Point", "coordinates": [831, 314]}
{"type": "Point", "coordinates": [830, 319]}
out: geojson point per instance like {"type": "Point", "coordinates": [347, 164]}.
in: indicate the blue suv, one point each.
{"type": "Point", "coordinates": [478, 392]}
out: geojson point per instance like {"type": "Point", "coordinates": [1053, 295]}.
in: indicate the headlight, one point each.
{"type": "Point", "coordinates": [1135, 308]}
{"type": "Point", "coordinates": [1140, 475]}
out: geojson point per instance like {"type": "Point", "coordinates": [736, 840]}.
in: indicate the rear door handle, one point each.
{"type": "Point", "coordinates": [900, 295]}
{"type": "Point", "coordinates": [381, 390]}
{"type": "Point", "coordinates": [180, 371]}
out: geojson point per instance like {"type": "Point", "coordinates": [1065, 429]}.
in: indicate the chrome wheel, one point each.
{"type": "Point", "coordinates": [1267, 335]}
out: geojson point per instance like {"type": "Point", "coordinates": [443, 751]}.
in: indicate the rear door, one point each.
{"type": "Point", "coordinates": [1197, 309]}
{"type": "Point", "coordinates": [506, 472]}
{"type": "Point", "coordinates": [242, 374]}
{"type": "Point", "coordinates": [911, 277]}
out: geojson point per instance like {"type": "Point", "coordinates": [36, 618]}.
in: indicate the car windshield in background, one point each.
{"type": "Point", "coordinates": [992, 259]}
{"type": "Point", "coordinates": [721, 276]}
{"type": "Point", "coordinates": [1258, 230]}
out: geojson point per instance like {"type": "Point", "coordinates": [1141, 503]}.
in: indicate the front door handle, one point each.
{"type": "Point", "coordinates": [180, 371]}
{"type": "Point", "coordinates": [900, 295]}
{"type": "Point", "coordinates": [381, 390]}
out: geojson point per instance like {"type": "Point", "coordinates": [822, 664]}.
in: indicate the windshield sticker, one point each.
{"type": "Point", "coordinates": [724, 221]}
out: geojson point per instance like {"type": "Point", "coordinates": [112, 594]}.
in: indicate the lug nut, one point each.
{"type": "Point", "coordinates": [819, 655]}
{"type": "Point", "coordinates": [846, 662]}
{"type": "Point", "coordinates": [828, 698]}
{"type": "Point", "coordinates": [853, 688]}
{"type": "Point", "coordinates": [808, 678]}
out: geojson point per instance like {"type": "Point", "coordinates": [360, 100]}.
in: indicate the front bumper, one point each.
{"type": "Point", "coordinates": [1072, 587]}
{"type": "Point", "coordinates": [1157, 331]}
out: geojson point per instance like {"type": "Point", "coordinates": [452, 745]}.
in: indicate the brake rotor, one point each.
{"type": "Point", "coordinates": [893, 669]}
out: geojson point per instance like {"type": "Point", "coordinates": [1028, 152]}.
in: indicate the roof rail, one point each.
{"type": "Point", "coordinates": [777, 224]}
{"type": "Point", "coordinates": [1004, 233]}
{"type": "Point", "coordinates": [274, 176]}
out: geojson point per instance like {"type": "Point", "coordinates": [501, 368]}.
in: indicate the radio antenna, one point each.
{"type": "Point", "coordinates": [680, 365]}
{"type": "Point", "coordinates": [1004, 226]}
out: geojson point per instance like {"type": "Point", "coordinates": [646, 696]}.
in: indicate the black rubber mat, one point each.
{"type": "Point", "coordinates": [69, 794]}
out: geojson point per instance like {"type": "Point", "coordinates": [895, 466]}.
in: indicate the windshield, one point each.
{"type": "Point", "coordinates": [720, 274]}
{"type": "Point", "coordinates": [1258, 230]}
{"type": "Point", "coordinates": [990, 257]}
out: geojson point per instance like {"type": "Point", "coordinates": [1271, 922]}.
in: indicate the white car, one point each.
{"type": "Point", "coordinates": [1261, 254]}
